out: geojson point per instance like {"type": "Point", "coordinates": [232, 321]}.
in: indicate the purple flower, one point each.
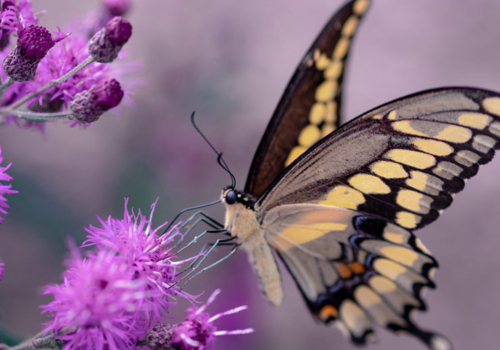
{"type": "Point", "coordinates": [117, 7]}
{"type": "Point", "coordinates": [62, 58]}
{"type": "Point", "coordinates": [33, 44]}
{"type": "Point", "coordinates": [14, 17]}
{"type": "Point", "coordinates": [4, 189]}
{"type": "Point", "coordinates": [89, 105]}
{"type": "Point", "coordinates": [1, 271]}
{"type": "Point", "coordinates": [196, 332]}
{"type": "Point", "coordinates": [105, 45]}
{"type": "Point", "coordinates": [98, 306]}
{"type": "Point", "coordinates": [149, 256]}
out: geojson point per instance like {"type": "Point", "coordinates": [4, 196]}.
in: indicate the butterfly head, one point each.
{"type": "Point", "coordinates": [231, 196]}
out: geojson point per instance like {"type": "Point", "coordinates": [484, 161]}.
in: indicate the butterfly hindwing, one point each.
{"type": "Point", "coordinates": [311, 104]}
{"type": "Point", "coordinates": [354, 271]}
{"type": "Point", "coordinates": [401, 162]}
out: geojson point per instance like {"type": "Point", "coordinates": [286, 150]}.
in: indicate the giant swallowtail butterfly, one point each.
{"type": "Point", "coordinates": [339, 206]}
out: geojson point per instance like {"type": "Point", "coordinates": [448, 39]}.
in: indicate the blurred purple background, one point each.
{"type": "Point", "coordinates": [230, 61]}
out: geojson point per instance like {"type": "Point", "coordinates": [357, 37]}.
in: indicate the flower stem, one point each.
{"type": "Point", "coordinates": [5, 85]}
{"type": "Point", "coordinates": [53, 83]}
{"type": "Point", "coordinates": [36, 342]}
{"type": "Point", "coordinates": [34, 116]}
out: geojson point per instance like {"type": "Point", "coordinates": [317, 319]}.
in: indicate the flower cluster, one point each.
{"type": "Point", "coordinates": [115, 293]}
{"type": "Point", "coordinates": [4, 189]}
{"type": "Point", "coordinates": [47, 72]}
{"type": "Point", "coordinates": [196, 332]}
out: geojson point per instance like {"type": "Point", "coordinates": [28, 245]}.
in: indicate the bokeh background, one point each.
{"type": "Point", "coordinates": [230, 61]}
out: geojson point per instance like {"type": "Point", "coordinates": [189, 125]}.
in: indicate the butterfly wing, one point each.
{"type": "Point", "coordinates": [401, 162]}
{"type": "Point", "coordinates": [354, 271]}
{"type": "Point", "coordinates": [310, 106]}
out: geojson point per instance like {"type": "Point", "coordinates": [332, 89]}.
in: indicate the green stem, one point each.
{"type": "Point", "coordinates": [53, 83]}
{"type": "Point", "coordinates": [5, 85]}
{"type": "Point", "coordinates": [37, 342]}
{"type": "Point", "coordinates": [34, 116]}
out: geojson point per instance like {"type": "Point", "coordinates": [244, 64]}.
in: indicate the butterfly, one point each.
{"type": "Point", "coordinates": [339, 205]}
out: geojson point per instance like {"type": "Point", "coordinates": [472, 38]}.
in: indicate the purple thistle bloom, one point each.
{"type": "Point", "coordinates": [147, 254]}
{"type": "Point", "coordinates": [90, 104]}
{"type": "Point", "coordinates": [196, 332]}
{"type": "Point", "coordinates": [117, 7]}
{"type": "Point", "coordinates": [105, 45]}
{"type": "Point", "coordinates": [62, 58]}
{"type": "Point", "coordinates": [33, 44]}
{"type": "Point", "coordinates": [14, 17]}
{"type": "Point", "coordinates": [4, 189]}
{"type": "Point", "coordinates": [98, 305]}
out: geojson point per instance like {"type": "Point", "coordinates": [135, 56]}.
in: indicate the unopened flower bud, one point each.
{"type": "Point", "coordinates": [159, 337]}
{"type": "Point", "coordinates": [33, 44]}
{"type": "Point", "coordinates": [105, 45]}
{"type": "Point", "coordinates": [117, 7]}
{"type": "Point", "coordinates": [89, 105]}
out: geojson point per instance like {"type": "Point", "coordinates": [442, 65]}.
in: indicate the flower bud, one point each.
{"type": "Point", "coordinates": [105, 45]}
{"type": "Point", "coordinates": [90, 104]}
{"type": "Point", "coordinates": [117, 7]}
{"type": "Point", "coordinates": [33, 44]}
{"type": "Point", "coordinates": [159, 337]}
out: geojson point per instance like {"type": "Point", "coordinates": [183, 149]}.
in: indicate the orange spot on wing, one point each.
{"type": "Point", "coordinates": [357, 268]}
{"type": "Point", "coordinates": [328, 312]}
{"type": "Point", "coordinates": [344, 271]}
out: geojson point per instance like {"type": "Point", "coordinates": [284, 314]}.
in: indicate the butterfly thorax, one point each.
{"type": "Point", "coordinates": [241, 221]}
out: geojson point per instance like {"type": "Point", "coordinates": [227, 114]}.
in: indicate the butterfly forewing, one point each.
{"type": "Point", "coordinates": [310, 106]}
{"type": "Point", "coordinates": [400, 162]}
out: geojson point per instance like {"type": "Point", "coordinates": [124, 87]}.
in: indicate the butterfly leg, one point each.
{"type": "Point", "coordinates": [193, 221]}
{"type": "Point", "coordinates": [218, 242]}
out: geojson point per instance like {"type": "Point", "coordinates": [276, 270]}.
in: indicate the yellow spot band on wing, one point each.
{"type": "Point", "coordinates": [343, 196]}
{"type": "Point", "coordinates": [350, 26]}
{"type": "Point", "coordinates": [327, 129]}
{"type": "Point", "coordinates": [492, 105]}
{"type": "Point", "coordinates": [309, 136]}
{"type": "Point", "coordinates": [366, 297]}
{"type": "Point", "coordinates": [334, 70]}
{"type": "Point", "coordinates": [389, 268]}
{"type": "Point", "coordinates": [300, 235]}
{"type": "Point", "coordinates": [451, 133]}
{"type": "Point", "coordinates": [382, 284]}
{"type": "Point", "coordinates": [369, 184]}
{"type": "Point", "coordinates": [415, 159]}
{"type": "Point", "coordinates": [394, 237]}
{"type": "Point", "coordinates": [414, 201]}
{"type": "Point", "coordinates": [340, 49]}
{"type": "Point", "coordinates": [295, 153]}
{"type": "Point", "coordinates": [389, 170]}
{"type": "Point", "coordinates": [331, 116]}
{"type": "Point", "coordinates": [399, 254]}
{"type": "Point", "coordinates": [408, 220]}
{"type": "Point", "coordinates": [437, 148]}
{"type": "Point", "coordinates": [360, 7]}
{"type": "Point", "coordinates": [317, 113]}
{"type": "Point", "coordinates": [474, 120]}
{"type": "Point", "coordinates": [326, 91]}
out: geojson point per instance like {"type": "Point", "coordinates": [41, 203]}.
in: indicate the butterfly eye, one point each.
{"type": "Point", "coordinates": [230, 197]}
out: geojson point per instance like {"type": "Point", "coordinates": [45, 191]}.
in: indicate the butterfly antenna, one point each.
{"type": "Point", "coordinates": [189, 209]}
{"type": "Point", "coordinates": [220, 160]}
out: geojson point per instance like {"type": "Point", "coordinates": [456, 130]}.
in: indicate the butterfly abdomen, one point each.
{"type": "Point", "coordinates": [242, 223]}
